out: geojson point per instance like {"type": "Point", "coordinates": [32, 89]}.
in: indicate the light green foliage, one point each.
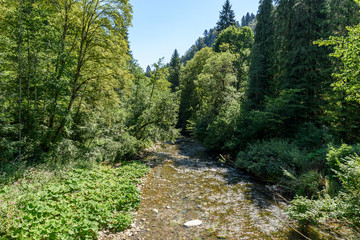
{"type": "Point", "coordinates": [336, 155]}
{"type": "Point", "coordinates": [189, 100]}
{"type": "Point", "coordinates": [309, 211]}
{"type": "Point", "coordinates": [152, 108]}
{"type": "Point", "coordinates": [345, 98]}
{"type": "Point", "coordinates": [221, 134]}
{"type": "Point", "coordinates": [239, 42]}
{"type": "Point", "coordinates": [236, 40]}
{"type": "Point", "coordinates": [73, 63]}
{"type": "Point", "coordinates": [214, 86]}
{"type": "Point", "coordinates": [78, 94]}
{"type": "Point", "coordinates": [70, 203]}
{"type": "Point", "coordinates": [214, 91]}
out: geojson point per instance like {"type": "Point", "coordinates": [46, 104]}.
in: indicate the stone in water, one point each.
{"type": "Point", "coordinates": [193, 223]}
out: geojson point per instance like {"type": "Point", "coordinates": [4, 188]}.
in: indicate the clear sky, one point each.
{"type": "Point", "coordinates": [161, 26]}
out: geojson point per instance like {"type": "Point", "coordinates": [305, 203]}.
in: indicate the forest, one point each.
{"type": "Point", "coordinates": [276, 95]}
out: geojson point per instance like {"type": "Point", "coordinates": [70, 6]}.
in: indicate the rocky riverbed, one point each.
{"type": "Point", "coordinates": [190, 195]}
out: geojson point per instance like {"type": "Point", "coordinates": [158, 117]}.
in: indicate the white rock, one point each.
{"type": "Point", "coordinates": [156, 211]}
{"type": "Point", "coordinates": [168, 207]}
{"type": "Point", "coordinates": [193, 223]}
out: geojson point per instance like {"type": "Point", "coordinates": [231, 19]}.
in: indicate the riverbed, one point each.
{"type": "Point", "coordinates": [186, 183]}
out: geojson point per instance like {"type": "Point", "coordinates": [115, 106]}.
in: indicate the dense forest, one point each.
{"type": "Point", "coordinates": [281, 102]}
{"type": "Point", "coordinates": [277, 95]}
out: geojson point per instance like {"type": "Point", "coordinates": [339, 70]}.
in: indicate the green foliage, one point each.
{"type": "Point", "coordinates": [237, 41]}
{"type": "Point", "coordinates": [174, 71]}
{"type": "Point", "coordinates": [226, 18]}
{"type": "Point", "coordinates": [189, 100]}
{"type": "Point", "coordinates": [152, 108]}
{"type": "Point", "coordinates": [344, 206]}
{"type": "Point", "coordinates": [312, 137]}
{"type": "Point", "coordinates": [343, 115]}
{"type": "Point", "coordinates": [233, 39]}
{"type": "Point", "coordinates": [70, 202]}
{"type": "Point", "coordinates": [72, 64]}
{"type": "Point", "coordinates": [221, 133]}
{"type": "Point", "coordinates": [214, 90]}
{"type": "Point", "coordinates": [309, 184]}
{"type": "Point", "coordinates": [249, 20]}
{"type": "Point", "coordinates": [272, 159]}
{"type": "Point", "coordinates": [310, 211]}
{"type": "Point", "coordinates": [337, 155]}
{"type": "Point", "coordinates": [262, 58]}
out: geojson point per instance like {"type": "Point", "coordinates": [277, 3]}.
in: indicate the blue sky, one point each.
{"type": "Point", "coordinates": [161, 26]}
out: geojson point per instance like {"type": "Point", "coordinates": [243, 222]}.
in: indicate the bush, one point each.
{"type": "Point", "coordinates": [312, 137]}
{"type": "Point", "coordinates": [315, 211]}
{"type": "Point", "coordinates": [309, 184]}
{"type": "Point", "coordinates": [270, 159]}
{"type": "Point", "coordinates": [345, 206]}
{"type": "Point", "coordinates": [220, 132]}
{"type": "Point", "coordinates": [337, 156]}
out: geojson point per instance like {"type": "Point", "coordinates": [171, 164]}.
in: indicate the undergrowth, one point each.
{"type": "Point", "coordinates": [70, 203]}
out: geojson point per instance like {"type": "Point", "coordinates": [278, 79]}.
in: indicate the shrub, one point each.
{"type": "Point", "coordinates": [269, 159]}
{"type": "Point", "coordinates": [345, 206]}
{"type": "Point", "coordinates": [309, 184]}
{"type": "Point", "coordinates": [312, 137]}
{"type": "Point", "coordinates": [314, 211]}
{"type": "Point", "coordinates": [336, 156]}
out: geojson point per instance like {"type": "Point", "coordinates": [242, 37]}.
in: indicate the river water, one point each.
{"type": "Point", "coordinates": [186, 183]}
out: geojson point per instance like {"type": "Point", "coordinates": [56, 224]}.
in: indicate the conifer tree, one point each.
{"type": "Point", "coordinates": [227, 17]}
{"type": "Point", "coordinates": [148, 71]}
{"type": "Point", "coordinates": [174, 70]}
{"type": "Point", "coordinates": [302, 67]}
{"type": "Point", "coordinates": [261, 57]}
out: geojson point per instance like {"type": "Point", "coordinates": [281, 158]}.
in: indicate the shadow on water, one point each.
{"type": "Point", "coordinates": [186, 183]}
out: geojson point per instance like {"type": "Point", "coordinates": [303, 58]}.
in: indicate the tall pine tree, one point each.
{"type": "Point", "coordinates": [148, 71]}
{"type": "Point", "coordinates": [227, 17]}
{"type": "Point", "coordinates": [174, 70]}
{"type": "Point", "coordinates": [302, 68]}
{"type": "Point", "coordinates": [261, 57]}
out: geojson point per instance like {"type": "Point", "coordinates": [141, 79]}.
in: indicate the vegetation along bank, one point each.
{"type": "Point", "coordinates": [277, 94]}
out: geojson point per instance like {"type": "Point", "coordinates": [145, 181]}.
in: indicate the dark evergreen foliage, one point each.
{"type": "Point", "coordinates": [148, 71]}
{"type": "Point", "coordinates": [248, 19]}
{"type": "Point", "coordinates": [262, 59]}
{"type": "Point", "coordinates": [174, 71]}
{"type": "Point", "coordinates": [226, 18]}
{"type": "Point", "coordinates": [207, 41]}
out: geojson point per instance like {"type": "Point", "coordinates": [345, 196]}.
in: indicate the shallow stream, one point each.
{"type": "Point", "coordinates": [186, 183]}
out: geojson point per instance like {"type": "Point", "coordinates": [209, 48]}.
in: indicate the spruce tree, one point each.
{"type": "Point", "coordinates": [227, 17]}
{"type": "Point", "coordinates": [148, 71]}
{"type": "Point", "coordinates": [302, 68]}
{"type": "Point", "coordinates": [261, 57]}
{"type": "Point", "coordinates": [174, 70]}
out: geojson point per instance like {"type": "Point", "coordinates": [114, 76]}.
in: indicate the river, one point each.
{"type": "Point", "coordinates": [186, 183]}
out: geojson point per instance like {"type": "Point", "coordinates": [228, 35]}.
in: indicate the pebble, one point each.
{"type": "Point", "coordinates": [193, 223]}
{"type": "Point", "coordinates": [156, 211]}
{"type": "Point", "coordinates": [168, 207]}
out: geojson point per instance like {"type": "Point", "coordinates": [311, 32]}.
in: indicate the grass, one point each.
{"type": "Point", "coordinates": [70, 202]}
